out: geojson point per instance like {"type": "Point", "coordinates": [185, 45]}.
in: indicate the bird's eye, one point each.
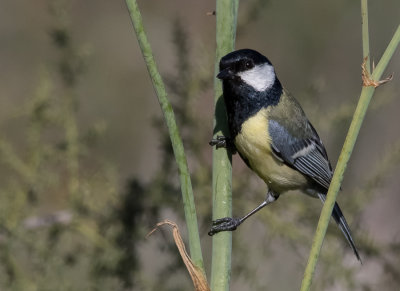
{"type": "Point", "coordinates": [248, 65]}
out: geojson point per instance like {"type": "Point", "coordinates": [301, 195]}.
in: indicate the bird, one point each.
{"type": "Point", "coordinates": [273, 136]}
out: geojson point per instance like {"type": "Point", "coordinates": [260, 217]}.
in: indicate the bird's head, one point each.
{"type": "Point", "coordinates": [247, 67]}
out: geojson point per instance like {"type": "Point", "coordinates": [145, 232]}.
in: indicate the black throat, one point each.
{"type": "Point", "coordinates": [242, 101]}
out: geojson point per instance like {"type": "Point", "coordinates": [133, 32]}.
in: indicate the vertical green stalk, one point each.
{"type": "Point", "coordinates": [358, 117]}
{"type": "Point", "coordinates": [226, 15]}
{"type": "Point", "coordinates": [365, 33]}
{"type": "Point", "coordinates": [186, 185]}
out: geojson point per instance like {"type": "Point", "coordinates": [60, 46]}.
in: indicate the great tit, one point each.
{"type": "Point", "coordinates": [271, 133]}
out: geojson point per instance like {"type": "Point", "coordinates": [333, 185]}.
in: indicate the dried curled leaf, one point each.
{"type": "Point", "coordinates": [198, 278]}
{"type": "Point", "coordinates": [367, 80]}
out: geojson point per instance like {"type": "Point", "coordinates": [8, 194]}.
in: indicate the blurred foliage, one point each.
{"type": "Point", "coordinates": [65, 223]}
{"type": "Point", "coordinates": [64, 226]}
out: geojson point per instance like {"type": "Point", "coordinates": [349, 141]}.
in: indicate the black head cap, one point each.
{"type": "Point", "coordinates": [242, 60]}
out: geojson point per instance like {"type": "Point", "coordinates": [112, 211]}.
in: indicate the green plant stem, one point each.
{"type": "Point", "coordinates": [358, 117]}
{"type": "Point", "coordinates": [226, 16]}
{"type": "Point", "coordinates": [186, 185]}
{"type": "Point", "coordinates": [365, 33]}
{"type": "Point", "coordinates": [387, 55]}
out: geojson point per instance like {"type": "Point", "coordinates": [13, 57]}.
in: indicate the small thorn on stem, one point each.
{"type": "Point", "coordinates": [367, 80]}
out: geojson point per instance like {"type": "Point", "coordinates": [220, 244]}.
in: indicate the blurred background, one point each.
{"type": "Point", "coordinates": [87, 168]}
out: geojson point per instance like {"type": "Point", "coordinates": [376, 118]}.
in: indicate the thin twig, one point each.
{"type": "Point", "coordinates": [180, 157]}
{"type": "Point", "coordinates": [358, 117]}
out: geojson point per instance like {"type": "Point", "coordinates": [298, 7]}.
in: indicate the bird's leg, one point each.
{"type": "Point", "coordinates": [223, 142]}
{"type": "Point", "coordinates": [231, 223]}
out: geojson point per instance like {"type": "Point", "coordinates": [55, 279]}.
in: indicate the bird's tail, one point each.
{"type": "Point", "coordinates": [337, 214]}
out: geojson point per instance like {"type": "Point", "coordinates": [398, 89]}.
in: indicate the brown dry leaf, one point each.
{"type": "Point", "coordinates": [367, 81]}
{"type": "Point", "coordinates": [198, 278]}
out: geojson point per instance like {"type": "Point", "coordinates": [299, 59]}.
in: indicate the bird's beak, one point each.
{"type": "Point", "coordinates": [226, 74]}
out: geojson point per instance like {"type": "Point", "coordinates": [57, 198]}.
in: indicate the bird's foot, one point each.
{"type": "Point", "coordinates": [223, 142]}
{"type": "Point", "coordinates": [220, 142]}
{"type": "Point", "coordinates": [224, 224]}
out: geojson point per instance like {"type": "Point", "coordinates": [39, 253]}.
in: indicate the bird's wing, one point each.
{"type": "Point", "coordinates": [307, 154]}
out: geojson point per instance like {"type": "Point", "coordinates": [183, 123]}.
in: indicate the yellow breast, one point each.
{"type": "Point", "coordinates": [253, 140]}
{"type": "Point", "coordinates": [254, 144]}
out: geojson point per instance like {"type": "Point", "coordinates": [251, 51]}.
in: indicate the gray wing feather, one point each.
{"type": "Point", "coordinates": [307, 155]}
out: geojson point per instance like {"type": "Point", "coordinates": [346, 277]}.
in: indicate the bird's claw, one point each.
{"type": "Point", "coordinates": [219, 142]}
{"type": "Point", "coordinates": [223, 142]}
{"type": "Point", "coordinates": [224, 224]}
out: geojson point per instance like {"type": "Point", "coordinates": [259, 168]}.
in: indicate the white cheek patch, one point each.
{"type": "Point", "coordinates": [260, 77]}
